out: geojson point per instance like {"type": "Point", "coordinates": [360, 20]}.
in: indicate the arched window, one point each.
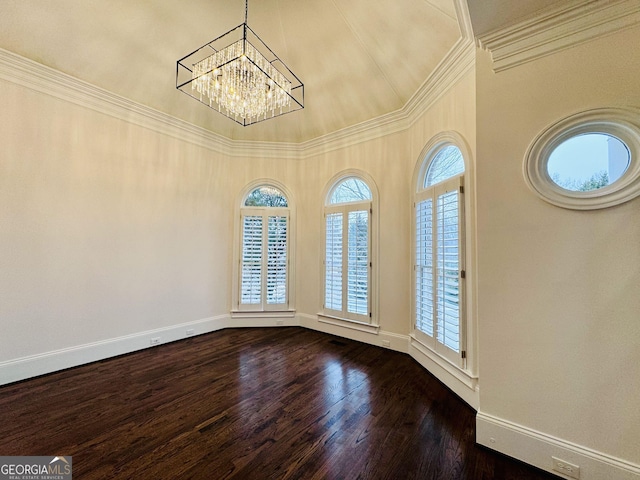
{"type": "Point", "coordinates": [439, 253]}
{"type": "Point", "coordinates": [264, 250]}
{"type": "Point", "coordinates": [347, 263]}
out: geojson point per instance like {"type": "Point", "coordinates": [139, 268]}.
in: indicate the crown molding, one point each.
{"type": "Point", "coordinates": [40, 78]}
{"type": "Point", "coordinates": [573, 23]}
{"type": "Point", "coordinates": [457, 63]}
{"type": "Point", "coordinates": [460, 60]}
{"type": "Point", "coordinates": [464, 19]}
{"type": "Point", "coordinates": [378, 127]}
{"type": "Point", "coordinates": [35, 76]}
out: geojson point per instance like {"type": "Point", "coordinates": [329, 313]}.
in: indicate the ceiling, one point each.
{"type": "Point", "coordinates": [358, 59]}
{"type": "Point", "coordinates": [490, 15]}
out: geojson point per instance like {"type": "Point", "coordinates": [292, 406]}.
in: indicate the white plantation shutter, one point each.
{"type": "Point", "coordinates": [347, 261]}
{"type": "Point", "coordinates": [277, 260]}
{"type": "Point", "coordinates": [438, 295]}
{"type": "Point", "coordinates": [264, 261]}
{"type": "Point", "coordinates": [251, 261]}
{"type": "Point", "coordinates": [358, 263]}
{"type": "Point", "coordinates": [448, 270]}
{"type": "Point", "coordinates": [333, 262]}
{"type": "Point", "coordinates": [424, 266]}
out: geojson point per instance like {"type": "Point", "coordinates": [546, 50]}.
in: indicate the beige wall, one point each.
{"type": "Point", "coordinates": [558, 301]}
{"type": "Point", "coordinates": [107, 228]}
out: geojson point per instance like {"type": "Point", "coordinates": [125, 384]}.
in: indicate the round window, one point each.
{"type": "Point", "coordinates": [587, 161]}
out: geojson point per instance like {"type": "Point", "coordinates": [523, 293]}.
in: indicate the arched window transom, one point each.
{"type": "Point", "coordinates": [447, 163]}
{"type": "Point", "coordinates": [266, 196]}
{"type": "Point", "coordinates": [350, 190]}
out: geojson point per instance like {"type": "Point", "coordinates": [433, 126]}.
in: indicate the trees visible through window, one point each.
{"type": "Point", "coordinates": [347, 286]}
{"type": "Point", "coordinates": [447, 163]}
{"type": "Point", "coordinates": [438, 256]}
{"type": "Point", "coordinates": [266, 196]}
{"type": "Point", "coordinates": [264, 259]}
{"type": "Point", "coordinates": [588, 162]}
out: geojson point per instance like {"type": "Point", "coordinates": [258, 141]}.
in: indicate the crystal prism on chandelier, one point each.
{"type": "Point", "coordinates": [239, 76]}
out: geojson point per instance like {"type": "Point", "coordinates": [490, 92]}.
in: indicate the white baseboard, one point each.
{"type": "Point", "coordinates": [36, 365]}
{"type": "Point", "coordinates": [459, 382]}
{"type": "Point", "coordinates": [258, 321]}
{"type": "Point", "coordinates": [537, 448]}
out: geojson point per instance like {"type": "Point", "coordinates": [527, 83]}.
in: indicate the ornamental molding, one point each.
{"type": "Point", "coordinates": [573, 23]}
{"type": "Point", "coordinates": [40, 78]}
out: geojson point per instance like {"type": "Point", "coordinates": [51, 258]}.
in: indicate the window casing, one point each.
{"type": "Point", "coordinates": [620, 124]}
{"type": "Point", "coordinates": [348, 212]}
{"type": "Point", "coordinates": [263, 279]}
{"type": "Point", "coordinates": [439, 271]}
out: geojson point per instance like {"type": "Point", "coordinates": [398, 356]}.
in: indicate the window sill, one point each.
{"type": "Point", "coordinates": [263, 313]}
{"type": "Point", "coordinates": [347, 323]}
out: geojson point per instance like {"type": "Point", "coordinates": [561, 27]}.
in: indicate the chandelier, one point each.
{"type": "Point", "coordinates": [238, 75]}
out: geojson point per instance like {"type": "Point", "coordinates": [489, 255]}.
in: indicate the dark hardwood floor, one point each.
{"type": "Point", "coordinates": [279, 403]}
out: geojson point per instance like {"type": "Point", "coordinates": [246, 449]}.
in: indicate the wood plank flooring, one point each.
{"type": "Point", "coordinates": [278, 403]}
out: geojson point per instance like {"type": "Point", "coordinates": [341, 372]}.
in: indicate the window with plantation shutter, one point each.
{"type": "Point", "coordinates": [424, 266]}
{"type": "Point", "coordinates": [277, 260]}
{"type": "Point", "coordinates": [438, 267]}
{"type": "Point", "coordinates": [251, 281]}
{"type": "Point", "coordinates": [448, 269]}
{"type": "Point", "coordinates": [333, 262]}
{"type": "Point", "coordinates": [264, 258]}
{"type": "Point", "coordinates": [358, 263]}
{"type": "Point", "coordinates": [347, 264]}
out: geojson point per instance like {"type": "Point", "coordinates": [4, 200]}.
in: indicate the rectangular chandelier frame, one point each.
{"type": "Point", "coordinates": [238, 75]}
